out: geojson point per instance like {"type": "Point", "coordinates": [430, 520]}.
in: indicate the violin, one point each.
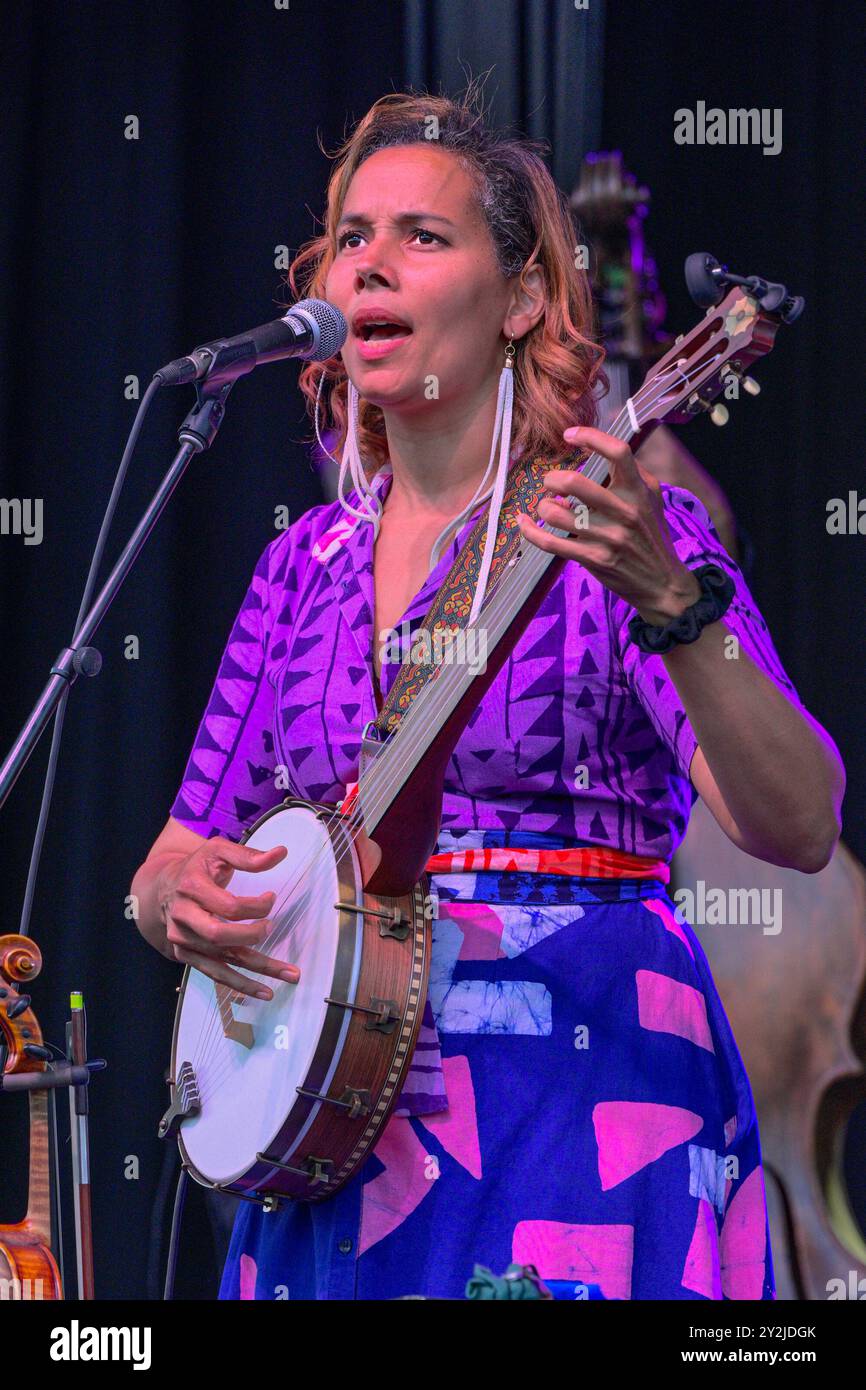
{"type": "Point", "coordinates": [28, 1268]}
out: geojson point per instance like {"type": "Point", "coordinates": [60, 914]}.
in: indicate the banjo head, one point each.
{"type": "Point", "coordinates": [248, 1056]}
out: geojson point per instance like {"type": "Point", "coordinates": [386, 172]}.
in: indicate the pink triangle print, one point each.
{"type": "Point", "coordinates": [632, 1134]}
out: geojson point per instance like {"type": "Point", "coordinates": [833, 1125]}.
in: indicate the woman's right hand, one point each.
{"type": "Point", "coordinates": [205, 924]}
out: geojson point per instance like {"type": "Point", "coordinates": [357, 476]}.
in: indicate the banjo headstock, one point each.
{"type": "Point", "coordinates": [702, 364]}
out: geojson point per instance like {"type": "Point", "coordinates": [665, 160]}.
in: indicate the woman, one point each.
{"type": "Point", "coordinates": [577, 1100]}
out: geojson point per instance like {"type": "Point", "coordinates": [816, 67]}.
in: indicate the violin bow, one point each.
{"type": "Point", "coordinates": [79, 1108]}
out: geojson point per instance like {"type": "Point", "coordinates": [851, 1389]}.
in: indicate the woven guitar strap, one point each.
{"type": "Point", "coordinates": [449, 611]}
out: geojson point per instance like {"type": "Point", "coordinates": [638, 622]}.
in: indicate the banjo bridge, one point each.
{"type": "Point", "coordinates": [233, 1028]}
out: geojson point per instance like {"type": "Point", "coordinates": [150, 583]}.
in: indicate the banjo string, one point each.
{"type": "Point", "coordinates": [284, 926]}
{"type": "Point", "coordinates": [211, 1032]}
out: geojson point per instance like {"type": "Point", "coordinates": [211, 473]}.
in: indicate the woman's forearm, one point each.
{"type": "Point", "coordinates": [144, 887]}
{"type": "Point", "coordinates": [777, 769]}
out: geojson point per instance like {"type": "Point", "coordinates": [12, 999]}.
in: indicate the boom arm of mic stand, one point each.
{"type": "Point", "coordinates": [196, 434]}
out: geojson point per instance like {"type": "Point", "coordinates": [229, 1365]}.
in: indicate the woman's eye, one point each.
{"type": "Point", "coordinates": [422, 231]}
{"type": "Point", "coordinates": [343, 240]}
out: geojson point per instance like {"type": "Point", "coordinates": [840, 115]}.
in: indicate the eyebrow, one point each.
{"type": "Point", "coordinates": [401, 217]}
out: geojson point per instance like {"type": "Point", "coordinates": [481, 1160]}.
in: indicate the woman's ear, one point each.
{"type": "Point", "coordinates": [527, 303]}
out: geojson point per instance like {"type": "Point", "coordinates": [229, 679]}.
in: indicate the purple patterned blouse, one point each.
{"type": "Point", "coordinates": [581, 735]}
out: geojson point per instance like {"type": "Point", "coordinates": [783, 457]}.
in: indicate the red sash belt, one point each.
{"type": "Point", "coordinates": [596, 862]}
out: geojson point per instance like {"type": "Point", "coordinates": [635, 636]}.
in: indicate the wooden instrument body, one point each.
{"type": "Point", "coordinates": [295, 1091]}
{"type": "Point", "coordinates": [28, 1269]}
{"type": "Point", "coordinates": [795, 1001]}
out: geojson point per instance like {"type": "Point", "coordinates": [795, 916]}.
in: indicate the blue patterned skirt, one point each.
{"type": "Point", "coordinates": [599, 1123]}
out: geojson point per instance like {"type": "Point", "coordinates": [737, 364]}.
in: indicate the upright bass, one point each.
{"type": "Point", "coordinates": [796, 999]}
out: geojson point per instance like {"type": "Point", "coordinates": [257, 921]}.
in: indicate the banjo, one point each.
{"type": "Point", "coordinates": [286, 1098]}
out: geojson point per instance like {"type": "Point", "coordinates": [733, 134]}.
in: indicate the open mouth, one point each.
{"type": "Point", "coordinates": [381, 332]}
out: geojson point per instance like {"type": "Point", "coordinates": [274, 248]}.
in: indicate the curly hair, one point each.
{"type": "Point", "coordinates": [558, 361]}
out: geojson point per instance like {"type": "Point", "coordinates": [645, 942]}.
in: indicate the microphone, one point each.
{"type": "Point", "coordinates": [312, 329]}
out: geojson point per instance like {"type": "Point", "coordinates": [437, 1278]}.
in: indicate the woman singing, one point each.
{"type": "Point", "coordinates": [576, 1100]}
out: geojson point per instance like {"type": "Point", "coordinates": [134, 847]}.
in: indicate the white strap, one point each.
{"type": "Point", "coordinates": [501, 433]}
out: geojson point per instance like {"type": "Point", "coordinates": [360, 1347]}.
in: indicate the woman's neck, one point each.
{"type": "Point", "coordinates": [438, 463]}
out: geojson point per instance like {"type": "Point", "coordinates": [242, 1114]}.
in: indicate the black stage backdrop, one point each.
{"type": "Point", "coordinates": [120, 253]}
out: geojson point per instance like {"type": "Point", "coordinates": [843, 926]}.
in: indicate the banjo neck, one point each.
{"type": "Point", "coordinates": [504, 614]}
{"type": "Point", "coordinates": [401, 781]}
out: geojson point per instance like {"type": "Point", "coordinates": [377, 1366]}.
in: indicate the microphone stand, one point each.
{"type": "Point", "coordinates": [197, 433]}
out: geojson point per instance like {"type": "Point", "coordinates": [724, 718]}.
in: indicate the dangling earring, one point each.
{"type": "Point", "coordinates": [504, 407]}
{"type": "Point", "coordinates": [351, 462]}
{"type": "Point", "coordinates": [502, 433]}
{"type": "Point", "coordinates": [322, 375]}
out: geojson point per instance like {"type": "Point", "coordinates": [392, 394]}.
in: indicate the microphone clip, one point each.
{"type": "Point", "coordinates": [200, 426]}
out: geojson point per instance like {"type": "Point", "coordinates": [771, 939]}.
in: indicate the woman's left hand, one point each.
{"type": "Point", "coordinates": [627, 547]}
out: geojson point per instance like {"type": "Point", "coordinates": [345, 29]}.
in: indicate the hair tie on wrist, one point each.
{"type": "Point", "coordinates": [717, 591]}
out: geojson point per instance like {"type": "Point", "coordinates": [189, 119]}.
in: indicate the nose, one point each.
{"type": "Point", "coordinates": [372, 275]}
{"type": "Point", "coordinates": [371, 268]}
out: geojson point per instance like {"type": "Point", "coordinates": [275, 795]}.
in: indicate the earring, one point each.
{"type": "Point", "coordinates": [502, 434]}
{"type": "Point", "coordinates": [504, 407]}
{"type": "Point", "coordinates": [351, 462]}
